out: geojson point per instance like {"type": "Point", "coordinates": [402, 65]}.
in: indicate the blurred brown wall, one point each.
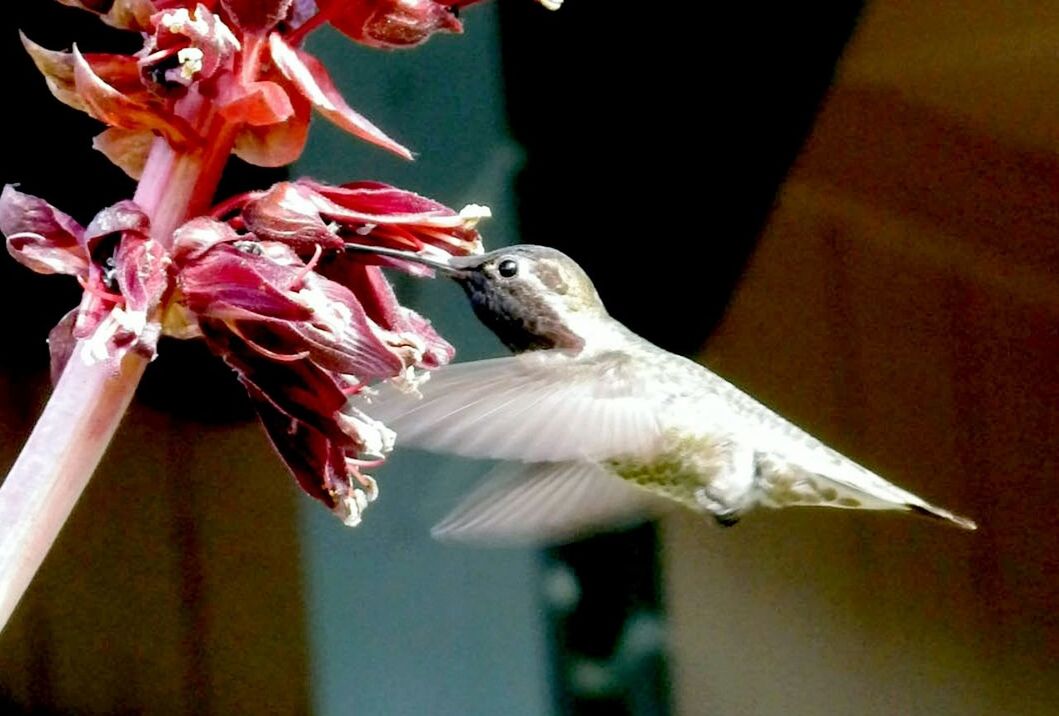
{"type": "Point", "coordinates": [904, 306]}
{"type": "Point", "coordinates": [175, 587]}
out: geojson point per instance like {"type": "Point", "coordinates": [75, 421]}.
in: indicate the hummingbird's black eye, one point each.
{"type": "Point", "coordinates": [507, 268]}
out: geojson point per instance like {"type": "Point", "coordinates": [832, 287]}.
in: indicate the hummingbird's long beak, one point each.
{"type": "Point", "coordinates": [447, 265]}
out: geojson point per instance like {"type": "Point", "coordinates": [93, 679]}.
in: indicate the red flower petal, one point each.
{"type": "Point", "coordinates": [118, 110]}
{"type": "Point", "coordinates": [257, 103]}
{"type": "Point", "coordinates": [310, 77]}
{"type": "Point", "coordinates": [119, 71]}
{"type": "Point", "coordinates": [141, 272]}
{"type": "Point", "coordinates": [276, 145]}
{"type": "Point", "coordinates": [380, 304]}
{"type": "Point", "coordinates": [61, 344]}
{"type": "Point", "coordinates": [378, 199]}
{"type": "Point", "coordinates": [306, 452]}
{"type": "Point", "coordinates": [397, 217]}
{"type": "Point", "coordinates": [299, 389]}
{"type": "Point", "coordinates": [126, 148]}
{"type": "Point", "coordinates": [280, 143]}
{"type": "Point", "coordinates": [125, 285]}
{"type": "Point", "coordinates": [228, 283]}
{"type": "Point", "coordinates": [122, 217]}
{"type": "Point", "coordinates": [256, 15]}
{"type": "Point", "coordinates": [192, 240]}
{"type": "Point", "coordinates": [393, 24]}
{"type": "Point", "coordinates": [123, 14]}
{"type": "Point", "coordinates": [286, 213]}
{"type": "Point", "coordinates": [323, 468]}
{"type": "Point", "coordinates": [40, 236]}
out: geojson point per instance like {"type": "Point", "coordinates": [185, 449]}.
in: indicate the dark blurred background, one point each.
{"type": "Point", "coordinates": [849, 211]}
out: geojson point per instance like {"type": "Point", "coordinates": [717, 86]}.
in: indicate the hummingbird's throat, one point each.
{"type": "Point", "coordinates": [521, 325]}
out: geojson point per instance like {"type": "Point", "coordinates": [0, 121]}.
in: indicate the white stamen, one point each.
{"type": "Point", "coordinates": [350, 509]}
{"type": "Point", "coordinates": [182, 22]}
{"type": "Point", "coordinates": [132, 321]}
{"type": "Point", "coordinates": [473, 213]}
{"type": "Point", "coordinates": [190, 59]}
{"type": "Point", "coordinates": [371, 487]}
{"type": "Point", "coordinates": [551, 4]}
{"type": "Point", "coordinates": [409, 380]}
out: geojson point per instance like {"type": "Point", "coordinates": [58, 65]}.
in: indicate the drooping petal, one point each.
{"type": "Point", "coordinates": [340, 325]}
{"type": "Point", "coordinates": [122, 217]}
{"type": "Point", "coordinates": [311, 78]}
{"type": "Point", "coordinates": [282, 308]}
{"type": "Point", "coordinates": [125, 148]}
{"type": "Point", "coordinates": [61, 344]}
{"type": "Point", "coordinates": [298, 388]}
{"type": "Point", "coordinates": [108, 105]}
{"type": "Point", "coordinates": [194, 238]}
{"type": "Point", "coordinates": [229, 283]}
{"type": "Point", "coordinates": [125, 286]}
{"type": "Point", "coordinates": [438, 351]}
{"type": "Point", "coordinates": [374, 292]}
{"type": "Point", "coordinates": [398, 217]}
{"type": "Point", "coordinates": [382, 200]}
{"type": "Point", "coordinates": [277, 143]}
{"type": "Point", "coordinates": [305, 452]}
{"type": "Point", "coordinates": [41, 237]}
{"type": "Point", "coordinates": [118, 71]}
{"type": "Point", "coordinates": [394, 24]}
{"type": "Point", "coordinates": [324, 469]}
{"type": "Point", "coordinates": [256, 15]}
{"type": "Point", "coordinates": [257, 104]}
{"type": "Point", "coordinates": [141, 272]}
{"type": "Point", "coordinates": [274, 145]}
{"type": "Point", "coordinates": [288, 214]}
{"type": "Point", "coordinates": [122, 14]}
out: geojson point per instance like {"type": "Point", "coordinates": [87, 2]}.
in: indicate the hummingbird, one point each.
{"type": "Point", "coordinates": [598, 427]}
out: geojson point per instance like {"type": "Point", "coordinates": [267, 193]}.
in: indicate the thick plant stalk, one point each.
{"type": "Point", "coordinates": [89, 401]}
{"type": "Point", "coordinates": [56, 464]}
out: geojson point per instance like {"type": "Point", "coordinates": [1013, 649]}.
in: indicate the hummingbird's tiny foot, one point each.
{"type": "Point", "coordinates": [725, 515]}
{"type": "Point", "coordinates": [727, 519]}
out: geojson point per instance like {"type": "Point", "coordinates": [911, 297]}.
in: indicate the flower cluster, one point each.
{"type": "Point", "coordinates": [271, 289]}
{"type": "Point", "coordinates": [238, 61]}
{"type": "Point", "coordinates": [263, 277]}
{"type": "Point", "coordinates": [246, 76]}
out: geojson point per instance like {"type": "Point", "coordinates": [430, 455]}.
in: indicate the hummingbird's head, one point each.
{"type": "Point", "coordinates": [532, 297]}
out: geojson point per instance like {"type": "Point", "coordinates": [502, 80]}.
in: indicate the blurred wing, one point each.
{"type": "Point", "coordinates": [536, 407]}
{"type": "Point", "coordinates": [546, 503]}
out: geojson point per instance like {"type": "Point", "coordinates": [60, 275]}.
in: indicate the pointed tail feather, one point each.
{"type": "Point", "coordinates": [842, 483]}
{"type": "Point", "coordinates": [928, 510]}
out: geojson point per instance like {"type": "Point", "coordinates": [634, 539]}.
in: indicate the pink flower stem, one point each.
{"type": "Point", "coordinates": [89, 400]}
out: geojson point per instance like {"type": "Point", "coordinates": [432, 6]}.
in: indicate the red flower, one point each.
{"type": "Point", "coordinates": [230, 55]}
{"type": "Point", "coordinates": [121, 269]}
{"type": "Point", "coordinates": [305, 213]}
{"type": "Point", "coordinates": [305, 325]}
{"type": "Point", "coordinates": [272, 291]}
{"type": "Point", "coordinates": [394, 23]}
{"type": "Point", "coordinates": [387, 24]}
